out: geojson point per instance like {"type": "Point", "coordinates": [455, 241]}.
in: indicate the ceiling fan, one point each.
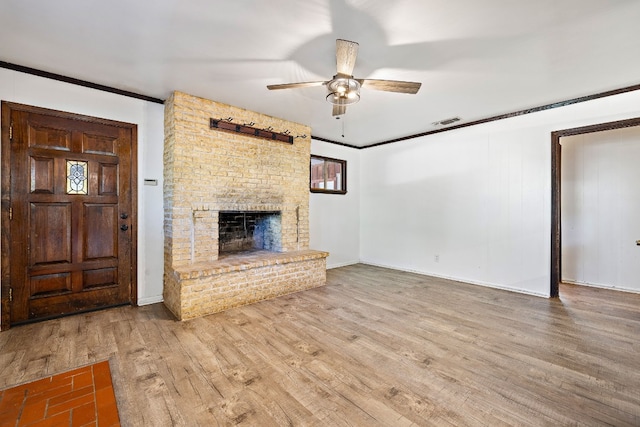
{"type": "Point", "coordinates": [343, 89]}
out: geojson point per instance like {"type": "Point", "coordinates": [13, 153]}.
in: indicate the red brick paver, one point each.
{"type": "Point", "coordinates": [81, 397]}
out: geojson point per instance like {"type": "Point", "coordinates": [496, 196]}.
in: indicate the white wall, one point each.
{"type": "Point", "coordinates": [334, 219]}
{"type": "Point", "coordinates": [27, 89]}
{"type": "Point", "coordinates": [601, 209]}
{"type": "Point", "coordinates": [478, 198]}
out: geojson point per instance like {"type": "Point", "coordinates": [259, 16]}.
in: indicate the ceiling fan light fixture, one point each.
{"type": "Point", "coordinates": [343, 91]}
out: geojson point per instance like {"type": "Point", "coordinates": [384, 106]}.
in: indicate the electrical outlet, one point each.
{"type": "Point", "coordinates": [436, 258]}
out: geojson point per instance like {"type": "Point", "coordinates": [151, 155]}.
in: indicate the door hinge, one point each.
{"type": "Point", "coordinates": [10, 213]}
{"type": "Point", "coordinates": [11, 131]}
{"type": "Point", "coordinates": [10, 294]}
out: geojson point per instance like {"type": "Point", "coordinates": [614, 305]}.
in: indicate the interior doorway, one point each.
{"type": "Point", "coordinates": [68, 213]}
{"type": "Point", "coordinates": [556, 196]}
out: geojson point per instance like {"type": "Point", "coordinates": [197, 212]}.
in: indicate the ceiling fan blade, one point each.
{"type": "Point", "coordinates": [346, 53]}
{"type": "Point", "coordinates": [295, 85]}
{"type": "Point", "coordinates": [339, 110]}
{"type": "Point", "coordinates": [391, 85]}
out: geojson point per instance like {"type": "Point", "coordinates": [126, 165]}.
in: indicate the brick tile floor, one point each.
{"type": "Point", "coordinates": [78, 398]}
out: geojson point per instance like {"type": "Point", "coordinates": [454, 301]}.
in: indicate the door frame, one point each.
{"type": "Point", "coordinates": [5, 199]}
{"type": "Point", "coordinates": [556, 177]}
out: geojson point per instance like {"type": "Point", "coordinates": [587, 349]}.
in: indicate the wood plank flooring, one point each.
{"type": "Point", "coordinates": [375, 347]}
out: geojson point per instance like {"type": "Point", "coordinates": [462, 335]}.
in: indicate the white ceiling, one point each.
{"type": "Point", "coordinates": [475, 58]}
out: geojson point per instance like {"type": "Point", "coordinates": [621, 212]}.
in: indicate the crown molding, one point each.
{"type": "Point", "coordinates": [493, 118]}
{"type": "Point", "coordinates": [551, 106]}
{"type": "Point", "coordinates": [78, 82]}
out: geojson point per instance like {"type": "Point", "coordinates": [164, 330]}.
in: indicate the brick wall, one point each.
{"type": "Point", "coordinates": [216, 170]}
{"type": "Point", "coordinates": [209, 170]}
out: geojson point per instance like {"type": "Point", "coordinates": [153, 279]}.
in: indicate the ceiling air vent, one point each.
{"type": "Point", "coordinates": [446, 122]}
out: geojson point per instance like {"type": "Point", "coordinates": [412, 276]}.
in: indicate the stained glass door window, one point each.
{"type": "Point", "coordinates": [77, 177]}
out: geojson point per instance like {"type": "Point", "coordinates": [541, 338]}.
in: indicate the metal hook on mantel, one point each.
{"type": "Point", "coordinates": [251, 129]}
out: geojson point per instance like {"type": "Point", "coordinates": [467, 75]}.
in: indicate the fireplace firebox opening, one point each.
{"type": "Point", "coordinates": [242, 231]}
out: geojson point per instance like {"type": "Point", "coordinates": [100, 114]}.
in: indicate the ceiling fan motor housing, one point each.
{"type": "Point", "coordinates": [343, 90]}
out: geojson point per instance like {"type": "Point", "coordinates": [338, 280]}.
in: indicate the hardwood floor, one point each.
{"type": "Point", "coordinates": [375, 347]}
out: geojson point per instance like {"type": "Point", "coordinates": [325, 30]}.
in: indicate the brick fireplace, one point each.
{"type": "Point", "coordinates": [236, 210]}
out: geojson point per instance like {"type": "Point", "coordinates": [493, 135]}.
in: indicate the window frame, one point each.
{"type": "Point", "coordinates": [343, 176]}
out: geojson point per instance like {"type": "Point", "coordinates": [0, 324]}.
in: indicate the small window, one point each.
{"type": "Point", "coordinates": [328, 175]}
{"type": "Point", "coordinates": [77, 177]}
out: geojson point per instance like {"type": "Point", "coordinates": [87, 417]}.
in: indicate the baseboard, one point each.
{"type": "Point", "coordinates": [150, 300]}
{"type": "Point", "coordinates": [342, 264]}
{"type": "Point", "coordinates": [457, 279]}
{"type": "Point", "coordinates": [610, 288]}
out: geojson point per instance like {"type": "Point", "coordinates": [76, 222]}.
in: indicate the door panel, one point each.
{"type": "Point", "coordinates": [99, 144]}
{"type": "Point", "coordinates": [50, 284]}
{"type": "Point", "coordinates": [100, 231]}
{"type": "Point", "coordinates": [42, 175]}
{"type": "Point", "coordinates": [49, 138]}
{"type": "Point", "coordinates": [100, 278]}
{"type": "Point", "coordinates": [108, 179]}
{"type": "Point", "coordinates": [50, 233]}
{"type": "Point", "coordinates": [71, 195]}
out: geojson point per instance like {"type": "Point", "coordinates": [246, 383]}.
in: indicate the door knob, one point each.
{"type": "Point", "coordinates": [124, 216]}
{"type": "Point", "coordinates": [124, 227]}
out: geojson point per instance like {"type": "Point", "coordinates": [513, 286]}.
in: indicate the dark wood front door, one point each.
{"type": "Point", "coordinates": [68, 213]}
